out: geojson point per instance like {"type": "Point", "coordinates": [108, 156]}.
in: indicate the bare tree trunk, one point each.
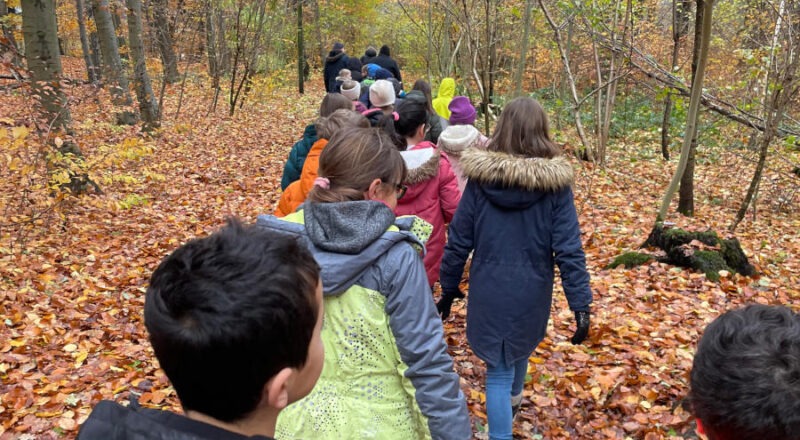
{"type": "Point", "coordinates": [44, 59]}
{"type": "Point", "coordinates": [686, 192]}
{"type": "Point", "coordinates": [523, 54]}
{"type": "Point", "coordinates": [680, 25]}
{"type": "Point", "coordinates": [318, 31]}
{"type": "Point", "coordinates": [164, 39]}
{"type": "Point", "coordinates": [694, 107]}
{"type": "Point", "coordinates": [87, 56]}
{"type": "Point", "coordinates": [576, 111]}
{"type": "Point", "coordinates": [148, 106]}
{"type": "Point", "coordinates": [113, 70]}
{"type": "Point", "coordinates": [94, 44]}
{"type": "Point", "coordinates": [780, 88]}
{"type": "Point", "coordinates": [300, 48]}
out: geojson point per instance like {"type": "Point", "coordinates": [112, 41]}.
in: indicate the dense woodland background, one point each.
{"type": "Point", "coordinates": [128, 127]}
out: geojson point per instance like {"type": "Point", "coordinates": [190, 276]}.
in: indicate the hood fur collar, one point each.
{"type": "Point", "coordinates": [422, 172]}
{"type": "Point", "coordinates": [513, 171]}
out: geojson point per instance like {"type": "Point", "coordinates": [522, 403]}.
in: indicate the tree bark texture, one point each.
{"type": "Point", "coordinates": [44, 59]}
{"type": "Point", "coordinates": [523, 52]}
{"type": "Point", "coordinates": [113, 70]}
{"type": "Point", "coordinates": [694, 107]}
{"type": "Point", "coordinates": [87, 56]}
{"type": "Point", "coordinates": [680, 25]}
{"type": "Point", "coordinates": [686, 193]}
{"type": "Point", "coordinates": [148, 105]}
{"type": "Point", "coordinates": [94, 44]}
{"type": "Point", "coordinates": [166, 47]}
{"type": "Point", "coordinates": [300, 48]}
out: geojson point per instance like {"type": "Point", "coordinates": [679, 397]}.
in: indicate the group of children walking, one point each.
{"type": "Point", "coordinates": [370, 202]}
{"type": "Point", "coordinates": [319, 323]}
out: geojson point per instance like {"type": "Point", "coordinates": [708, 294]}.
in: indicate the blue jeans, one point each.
{"type": "Point", "coordinates": [502, 382]}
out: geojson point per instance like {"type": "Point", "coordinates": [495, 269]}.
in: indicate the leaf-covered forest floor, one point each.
{"type": "Point", "coordinates": [73, 276]}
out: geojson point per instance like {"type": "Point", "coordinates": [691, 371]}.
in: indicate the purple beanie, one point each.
{"type": "Point", "coordinates": [461, 111]}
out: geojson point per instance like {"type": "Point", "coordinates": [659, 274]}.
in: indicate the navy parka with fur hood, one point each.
{"type": "Point", "coordinates": [519, 216]}
{"type": "Point", "coordinates": [334, 62]}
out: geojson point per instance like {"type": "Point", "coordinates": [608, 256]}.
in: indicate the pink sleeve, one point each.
{"type": "Point", "coordinates": [449, 195]}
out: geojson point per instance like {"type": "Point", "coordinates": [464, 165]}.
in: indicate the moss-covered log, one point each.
{"type": "Point", "coordinates": [630, 259]}
{"type": "Point", "coordinates": [701, 251]}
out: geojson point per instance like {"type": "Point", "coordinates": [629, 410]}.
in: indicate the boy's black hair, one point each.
{"type": "Point", "coordinates": [227, 312]}
{"type": "Point", "coordinates": [745, 381]}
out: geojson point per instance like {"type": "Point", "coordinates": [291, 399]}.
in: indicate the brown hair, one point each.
{"type": "Point", "coordinates": [425, 87]}
{"type": "Point", "coordinates": [353, 158]}
{"type": "Point", "coordinates": [341, 118]}
{"type": "Point", "coordinates": [332, 102]}
{"type": "Point", "coordinates": [523, 130]}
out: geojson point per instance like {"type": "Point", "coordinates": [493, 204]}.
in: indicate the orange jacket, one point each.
{"type": "Point", "coordinates": [295, 194]}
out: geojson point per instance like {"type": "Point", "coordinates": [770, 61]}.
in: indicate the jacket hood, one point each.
{"type": "Point", "coordinates": [310, 132]}
{"type": "Point", "coordinates": [447, 89]}
{"type": "Point", "coordinates": [515, 182]}
{"type": "Point", "coordinates": [385, 50]}
{"type": "Point", "coordinates": [370, 52]}
{"type": "Point", "coordinates": [334, 56]}
{"type": "Point", "coordinates": [346, 238]}
{"type": "Point", "coordinates": [422, 162]}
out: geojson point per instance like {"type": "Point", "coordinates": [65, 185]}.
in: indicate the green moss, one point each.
{"type": "Point", "coordinates": [735, 257]}
{"type": "Point", "coordinates": [678, 237]}
{"type": "Point", "coordinates": [710, 263]}
{"type": "Point", "coordinates": [630, 259]}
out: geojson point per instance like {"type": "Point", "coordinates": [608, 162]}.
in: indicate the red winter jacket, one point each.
{"type": "Point", "coordinates": [432, 195]}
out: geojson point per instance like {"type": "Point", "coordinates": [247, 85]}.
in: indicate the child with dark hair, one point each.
{"type": "Point", "coordinates": [297, 156]}
{"type": "Point", "coordinates": [432, 186]}
{"type": "Point", "coordinates": [518, 215]}
{"type": "Point", "coordinates": [745, 380]}
{"type": "Point", "coordinates": [387, 374]}
{"type": "Point", "coordinates": [235, 321]}
{"type": "Point", "coordinates": [436, 124]}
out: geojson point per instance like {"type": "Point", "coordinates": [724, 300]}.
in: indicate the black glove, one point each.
{"type": "Point", "coordinates": [446, 301]}
{"type": "Point", "coordinates": [582, 321]}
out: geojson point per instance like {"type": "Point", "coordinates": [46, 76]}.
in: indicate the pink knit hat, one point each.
{"type": "Point", "coordinates": [461, 111]}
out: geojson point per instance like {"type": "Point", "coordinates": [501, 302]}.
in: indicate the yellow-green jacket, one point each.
{"type": "Point", "coordinates": [387, 374]}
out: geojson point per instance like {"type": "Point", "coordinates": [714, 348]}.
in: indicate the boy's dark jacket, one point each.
{"type": "Point", "coordinates": [297, 157]}
{"type": "Point", "coordinates": [112, 421]}
{"type": "Point", "coordinates": [518, 215]}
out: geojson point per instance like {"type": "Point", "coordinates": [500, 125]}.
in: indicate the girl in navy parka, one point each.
{"type": "Point", "coordinates": [518, 215]}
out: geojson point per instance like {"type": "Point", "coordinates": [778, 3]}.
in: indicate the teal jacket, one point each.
{"type": "Point", "coordinates": [297, 157]}
{"type": "Point", "coordinates": [387, 374]}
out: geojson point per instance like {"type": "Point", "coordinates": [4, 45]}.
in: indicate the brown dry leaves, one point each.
{"type": "Point", "coordinates": [72, 284]}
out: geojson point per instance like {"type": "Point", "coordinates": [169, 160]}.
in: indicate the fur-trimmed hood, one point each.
{"type": "Point", "coordinates": [422, 162]}
{"type": "Point", "coordinates": [504, 170]}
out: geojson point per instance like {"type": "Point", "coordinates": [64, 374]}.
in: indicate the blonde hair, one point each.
{"type": "Point", "coordinates": [352, 160]}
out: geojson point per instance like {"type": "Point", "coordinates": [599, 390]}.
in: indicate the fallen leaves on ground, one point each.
{"type": "Point", "coordinates": [72, 279]}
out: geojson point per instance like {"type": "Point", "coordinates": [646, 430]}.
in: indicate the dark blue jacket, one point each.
{"type": "Point", "coordinates": [334, 62]}
{"type": "Point", "coordinates": [297, 157]}
{"type": "Point", "coordinates": [519, 217]}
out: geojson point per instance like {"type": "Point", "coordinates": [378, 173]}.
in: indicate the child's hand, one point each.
{"type": "Point", "coordinates": [582, 320]}
{"type": "Point", "coordinates": [446, 301]}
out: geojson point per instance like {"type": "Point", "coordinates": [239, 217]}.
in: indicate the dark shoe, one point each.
{"type": "Point", "coordinates": [516, 403]}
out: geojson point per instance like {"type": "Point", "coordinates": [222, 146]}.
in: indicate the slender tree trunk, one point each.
{"type": "Point", "coordinates": [44, 59]}
{"type": "Point", "coordinates": [679, 26]}
{"type": "Point", "coordinates": [780, 87]}
{"type": "Point", "coordinates": [94, 44]}
{"type": "Point", "coordinates": [87, 56]}
{"type": "Point", "coordinates": [318, 31]}
{"type": "Point", "coordinates": [523, 54]}
{"type": "Point", "coordinates": [117, 16]}
{"type": "Point", "coordinates": [113, 70]}
{"type": "Point", "coordinates": [694, 107]}
{"type": "Point", "coordinates": [576, 111]}
{"type": "Point", "coordinates": [148, 106]}
{"type": "Point", "coordinates": [429, 59]}
{"type": "Point", "coordinates": [164, 39]}
{"type": "Point", "coordinates": [686, 193]}
{"type": "Point", "coordinates": [300, 48]}
{"type": "Point", "coordinates": [211, 42]}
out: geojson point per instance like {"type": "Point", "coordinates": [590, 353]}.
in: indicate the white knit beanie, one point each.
{"type": "Point", "coordinates": [351, 89]}
{"type": "Point", "coordinates": [381, 93]}
{"type": "Point", "coordinates": [456, 138]}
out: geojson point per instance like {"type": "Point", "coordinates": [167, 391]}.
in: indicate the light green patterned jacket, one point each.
{"type": "Point", "coordinates": [387, 374]}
